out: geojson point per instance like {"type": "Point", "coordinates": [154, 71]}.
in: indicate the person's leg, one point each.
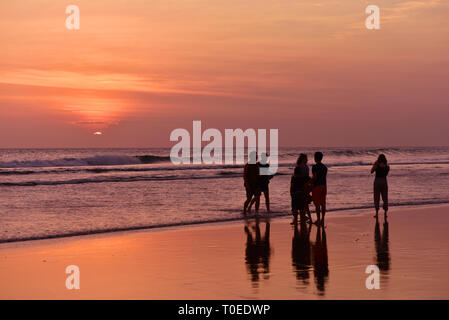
{"type": "Point", "coordinates": [249, 196]}
{"type": "Point", "coordinates": [295, 217]}
{"type": "Point", "coordinates": [253, 200]}
{"type": "Point", "coordinates": [266, 194]}
{"type": "Point", "coordinates": [245, 205]}
{"type": "Point", "coordinates": [302, 216]}
{"type": "Point", "coordinates": [385, 197]}
{"type": "Point", "coordinates": [323, 213]}
{"type": "Point", "coordinates": [323, 205]}
{"type": "Point", "coordinates": [257, 201]}
{"type": "Point", "coordinates": [318, 213]}
{"type": "Point", "coordinates": [295, 207]}
{"type": "Point", "coordinates": [307, 212]}
{"type": "Point", "coordinates": [316, 203]}
{"type": "Point", "coordinates": [376, 191]}
{"type": "Point", "coordinates": [302, 208]}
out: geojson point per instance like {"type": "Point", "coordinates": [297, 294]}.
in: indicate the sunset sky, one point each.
{"type": "Point", "coordinates": [137, 69]}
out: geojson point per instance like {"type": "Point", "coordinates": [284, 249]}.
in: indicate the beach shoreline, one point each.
{"type": "Point", "coordinates": [332, 213]}
{"type": "Point", "coordinates": [218, 261]}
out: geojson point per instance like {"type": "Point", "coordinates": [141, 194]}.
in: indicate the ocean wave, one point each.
{"type": "Point", "coordinates": [111, 168]}
{"type": "Point", "coordinates": [98, 160]}
{"type": "Point", "coordinates": [223, 169]}
{"type": "Point", "coordinates": [106, 179]}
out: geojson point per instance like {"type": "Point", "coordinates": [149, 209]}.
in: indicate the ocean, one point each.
{"type": "Point", "coordinates": [46, 193]}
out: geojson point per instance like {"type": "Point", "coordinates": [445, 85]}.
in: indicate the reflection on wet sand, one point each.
{"type": "Point", "coordinates": [320, 260]}
{"type": "Point", "coordinates": [301, 252]}
{"type": "Point", "coordinates": [258, 251]}
{"type": "Point", "coordinates": [381, 243]}
{"type": "Point", "coordinates": [306, 254]}
{"type": "Point", "coordinates": [309, 254]}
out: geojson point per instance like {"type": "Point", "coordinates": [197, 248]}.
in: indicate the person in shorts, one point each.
{"type": "Point", "coordinates": [319, 190]}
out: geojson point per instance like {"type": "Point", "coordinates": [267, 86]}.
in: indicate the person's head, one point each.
{"type": "Point", "coordinates": [302, 159]}
{"type": "Point", "coordinates": [252, 157]}
{"type": "Point", "coordinates": [318, 156]}
{"type": "Point", "coordinates": [263, 158]}
{"type": "Point", "coordinates": [382, 159]}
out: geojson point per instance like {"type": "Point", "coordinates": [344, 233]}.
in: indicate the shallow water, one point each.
{"type": "Point", "coordinates": [57, 192]}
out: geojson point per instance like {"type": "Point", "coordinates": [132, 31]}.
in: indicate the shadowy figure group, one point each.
{"type": "Point", "coordinates": [307, 256]}
{"type": "Point", "coordinates": [305, 189]}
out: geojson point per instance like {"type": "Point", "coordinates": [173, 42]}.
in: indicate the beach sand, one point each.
{"type": "Point", "coordinates": [220, 261]}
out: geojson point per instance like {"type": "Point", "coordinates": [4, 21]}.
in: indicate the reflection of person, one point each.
{"type": "Point", "coordinates": [301, 252]}
{"type": "Point", "coordinates": [300, 189]}
{"type": "Point", "coordinates": [263, 182]}
{"type": "Point", "coordinates": [382, 247]}
{"type": "Point", "coordinates": [251, 181]}
{"type": "Point", "coordinates": [257, 253]}
{"type": "Point", "coordinates": [319, 191]}
{"type": "Point", "coordinates": [381, 168]}
{"type": "Point", "coordinates": [320, 260]}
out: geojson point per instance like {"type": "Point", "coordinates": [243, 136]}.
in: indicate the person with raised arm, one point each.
{"type": "Point", "coordinates": [380, 188]}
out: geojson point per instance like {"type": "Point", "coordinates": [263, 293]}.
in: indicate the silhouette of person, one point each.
{"type": "Point", "coordinates": [301, 260]}
{"type": "Point", "coordinates": [258, 251]}
{"type": "Point", "coordinates": [263, 182]}
{"type": "Point", "coordinates": [251, 181]}
{"type": "Point", "coordinates": [319, 191]}
{"type": "Point", "coordinates": [320, 260]}
{"type": "Point", "coordinates": [381, 243]}
{"type": "Point", "coordinates": [300, 188]}
{"type": "Point", "coordinates": [380, 187]}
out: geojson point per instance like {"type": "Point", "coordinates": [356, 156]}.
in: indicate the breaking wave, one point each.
{"type": "Point", "coordinates": [98, 160]}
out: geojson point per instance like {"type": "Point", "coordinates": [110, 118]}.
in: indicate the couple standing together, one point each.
{"type": "Point", "coordinates": [255, 183]}
{"type": "Point", "coordinates": [301, 184]}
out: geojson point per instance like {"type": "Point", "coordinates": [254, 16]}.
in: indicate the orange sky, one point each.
{"type": "Point", "coordinates": [138, 69]}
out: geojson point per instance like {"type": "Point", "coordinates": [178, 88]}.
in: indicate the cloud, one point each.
{"type": "Point", "coordinates": [407, 8]}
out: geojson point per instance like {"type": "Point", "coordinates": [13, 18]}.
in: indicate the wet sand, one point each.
{"type": "Point", "coordinates": [239, 260]}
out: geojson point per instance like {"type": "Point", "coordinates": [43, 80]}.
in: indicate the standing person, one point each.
{"type": "Point", "coordinates": [251, 181]}
{"type": "Point", "coordinates": [319, 191]}
{"type": "Point", "coordinates": [381, 168]}
{"type": "Point", "coordinates": [299, 190]}
{"type": "Point", "coordinates": [264, 181]}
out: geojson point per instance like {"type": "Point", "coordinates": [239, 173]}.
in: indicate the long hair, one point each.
{"type": "Point", "coordinates": [382, 158]}
{"type": "Point", "coordinates": [301, 158]}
